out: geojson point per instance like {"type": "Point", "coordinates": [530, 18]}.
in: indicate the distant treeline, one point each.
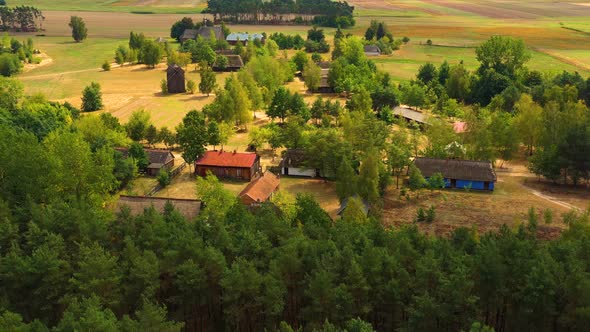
{"type": "Point", "coordinates": [21, 18]}
{"type": "Point", "coordinates": [318, 12]}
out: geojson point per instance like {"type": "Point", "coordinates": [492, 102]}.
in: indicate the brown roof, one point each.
{"type": "Point", "coordinates": [457, 169]}
{"type": "Point", "coordinates": [294, 158]}
{"type": "Point", "coordinates": [205, 32]}
{"type": "Point", "coordinates": [157, 158]}
{"type": "Point", "coordinates": [227, 159]}
{"type": "Point", "coordinates": [372, 49]}
{"type": "Point", "coordinates": [262, 188]}
{"type": "Point", "coordinates": [324, 64]}
{"type": "Point", "coordinates": [189, 208]}
{"type": "Point", "coordinates": [234, 61]}
{"type": "Point", "coordinates": [189, 34]}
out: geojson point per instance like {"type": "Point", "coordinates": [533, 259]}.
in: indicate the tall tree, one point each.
{"type": "Point", "coordinates": [79, 30]}
{"type": "Point", "coordinates": [208, 80]}
{"type": "Point", "coordinates": [191, 136]}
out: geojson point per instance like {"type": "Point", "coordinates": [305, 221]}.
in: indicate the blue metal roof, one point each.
{"type": "Point", "coordinates": [235, 36]}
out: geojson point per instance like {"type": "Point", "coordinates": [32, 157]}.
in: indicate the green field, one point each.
{"type": "Point", "coordinates": [455, 27]}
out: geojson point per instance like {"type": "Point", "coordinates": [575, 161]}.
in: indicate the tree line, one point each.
{"type": "Point", "coordinates": [68, 264]}
{"type": "Point", "coordinates": [21, 19]}
{"type": "Point", "coordinates": [322, 12]}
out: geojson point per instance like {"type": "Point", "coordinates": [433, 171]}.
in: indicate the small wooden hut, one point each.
{"type": "Point", "coordinates": [175, 79]}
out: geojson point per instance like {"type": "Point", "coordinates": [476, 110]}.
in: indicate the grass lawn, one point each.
{"type": "Point", "coordinates": [509, 204]}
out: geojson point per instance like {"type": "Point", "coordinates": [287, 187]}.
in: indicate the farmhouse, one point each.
{"type": "Point", "coordinates": [205, 32]}
{"type": "Point", "coordinates": [478, 175]}
{"type": "Point", "coordinates": [231, 165]}
{"type": "Point", "coordinates": [234, 63]}
{"type": "Point", "coordinates": [260, 190]}
{"type": "Point", "coordinates": [175, 79]}
{"type": "Point", "coordinates": [244, 38]}
{"type": "Point", "coordinates": [324, 86]}
{"type": "Point", "coordinates": [410, 115]}
{"type": "Point", "coordinates": [372, 50]}
{"type": "Point", "coordinates": [189, 208]}
{"type": "Point", "coordinates": [158, 159]}
{"type": "Point", "coordinates": [294, 163]}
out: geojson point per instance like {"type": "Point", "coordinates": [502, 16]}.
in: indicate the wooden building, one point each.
{"type": "Point", "coordinates": [463, 174]}
{"type": "Point", "coordinates": [234, 63]}
{"type": "Point", "coordinates": [230, 165]}
{"type": "Point", "coordinates": [136, 205]}
{"type": "Point", "coordinates": [260, 190]}
{"type": "Point", "coordinates": [372, 50]}
{"type": "Point", "coordinates": [205, 32]}
{"type": "Point", "coordinates": [294, 163]}
{"type": "Point", "coordinates": [158, 159]}
{"type": "Point", "coordinates": [411, 115]}
{"type": "Point", "coordinates": [175, 79]}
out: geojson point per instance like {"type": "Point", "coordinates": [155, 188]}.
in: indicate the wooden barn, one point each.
{"type": "Point", "coordinates": [294, 163]}
{"type": "Point", "coordinates": [158, 159]}
{"type": "Point", "coordinates": [462, 174]}
{"type": "Point", "coordinates": [136, 205]}
{"type": "Point", "coordinates": [229, 165]}
{"type": "Point", "coordinates": [372, 50]}
{"type": "Point", "coordinates": [205, 32]}
{"type": "Point", "coordinates": [234, 63]}
{"type": "Point", "coordinates": [175, 79]}
{"type": "Point", "coordinates": [260, 190]}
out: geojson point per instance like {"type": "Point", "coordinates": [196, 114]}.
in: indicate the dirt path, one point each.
{"type": "Point", "coordinates": [520, 171]}
{"type": "Point", "coordinates": [32, 77]}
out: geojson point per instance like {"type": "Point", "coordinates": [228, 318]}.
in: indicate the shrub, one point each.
{"type": "Point", "coordinates": [106, 66]}
{"type": "Point", "coordinates": [406, 40]}
{"type": "Point", "coordinates": [429, 42]}
{"type": "Point", "coordinates": [10, 64]}
{"type": "Point", "coordinates": [163, 177]}
{"type": "Point", "coordinates": [191, 86]}
{"type": "Point", "coordinates": [92, 98]}
{"type": "Point", "coordinates": [164, 86]}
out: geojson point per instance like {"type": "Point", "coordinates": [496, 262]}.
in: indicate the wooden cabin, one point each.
{"type": "Point", "coordinates": [229, 165]}
{"type": "Point", "coordinates": [461, 174]}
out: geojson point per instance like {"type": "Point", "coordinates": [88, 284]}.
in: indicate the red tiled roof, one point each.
{"type": "Point", "coordinates": [227, 159]}
{"type": "Point", "coordinates": [261, 189]}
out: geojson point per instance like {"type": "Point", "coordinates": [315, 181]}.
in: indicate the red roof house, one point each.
{"type": "Point", "coordinates": [260, 190]}
{"type": "Point", "coordinates": [232, 165]}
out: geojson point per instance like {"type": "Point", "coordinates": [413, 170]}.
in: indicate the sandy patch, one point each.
{"type": "Point", "coordinates": [45, 60]}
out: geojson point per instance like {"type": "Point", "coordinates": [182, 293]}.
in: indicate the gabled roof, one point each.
{"type": "Point", "coordinates": [205, 32]}
{"type": "Point", "coordinates": [457, 169]}
{"type": "Point", "coordinates": [161, 40]}
{"type": "Point", "coordinates": [410, 114]}
{"type": "Point", "coordinates": [189, 34]}
{"type": "Point", "coordinates": [227, 159]}
{"type": "Point", "coordinates": [262, 188]}
{"type": "Point", "coordinates": [189, 208]}
{"type": "Point", "coordinates": [294, 158]}
{"type": "Point", "coordinates": [174, 68]}
{"type": "Point", "coordinates": [372, 49]}
{"type": "Point", "coordinates": [234, 61]}
{"type": "Point", "coordinates": [157, 158]}
{"type": "Point", "coordinates": [235, 36]}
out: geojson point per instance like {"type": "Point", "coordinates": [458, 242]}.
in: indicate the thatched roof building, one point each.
{"type": "Point", "coordinates": [459, 173]}
{"type": "Point", "coordinates": [372, 50]}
